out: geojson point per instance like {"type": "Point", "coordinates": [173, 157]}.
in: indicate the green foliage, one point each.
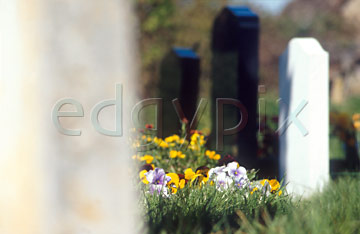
{"type": "Point", "coordinates": [156, 14]}
{"type": "Point", "coordinates": [168, 23]}
{"type": "Point", "coordinates": [206, 209]}
{"type": "Point", "coordinates": [156, 33]}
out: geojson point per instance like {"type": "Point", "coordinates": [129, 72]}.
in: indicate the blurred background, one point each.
{"type": "Point", "coordinates": [334, 23]}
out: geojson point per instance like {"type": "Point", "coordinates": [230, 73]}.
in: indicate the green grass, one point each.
{"type": "Point", "coordinates": [205, 209]}
{"type": "Point", "coordinates": [334, 210]}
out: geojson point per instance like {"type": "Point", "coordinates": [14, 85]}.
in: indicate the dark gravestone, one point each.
{"type": "Point", "coordinates": [235, 42]}
{"type": "Point", "coordinates": [179, 78]}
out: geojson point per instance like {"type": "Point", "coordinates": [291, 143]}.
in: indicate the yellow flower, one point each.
{"type": "Point", "coordinates": [182, 183]}
{"type": "Point", "coordinates": [172, 138]}
{"type": "Point", "coordinates": [280, 192]}
{"type": "Point", "coordinates": [195, 140]}
{"type": "Point", "coordinates": [195, 136]}
{"type": "Point", "coordinates": [189, 174]}
{"type": "Point", "coordinates": [148, 139]}
{"type": "Point", "coordinates": [163, 144]}
{"type": "Point", "coordinates": [176, 137]}
{"type": "Point", "coordinates": [264, 181]}
{"type": "Point", "coordinates": [193, 147]}
{"type": "Point", "coordinates": [157, 140]}
{"type": "Point", "coordinates": [212, 155]}
{"type": "Point", "coordinates": [204, 172]}
{"type": "Point", "coordinates": [143, 137]}
{"type": "Point", "coordinates": [274, 184]}
{"type": "Point", "coordinates": [254, 189]}
{"type": "Point", "coordinates": [169, 139]}
{"type": "Point", "coordinates": [198, 177]}
{"type": "Point", "coordinates": [174, 154]}
{"type": "Point", "coordinates": [147, 158]}
{"type": "Point", "coordinates": [357, 124]}
{"type": "Point", "coordinates": [356, 117]}
{"type": "Point", "coordinates": [143, 177]}
{"type": "Point", "coordinates": [173, 184]}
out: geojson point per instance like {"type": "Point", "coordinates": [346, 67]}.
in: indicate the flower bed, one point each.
{"type": "Point", "coordinates": [182, 181]}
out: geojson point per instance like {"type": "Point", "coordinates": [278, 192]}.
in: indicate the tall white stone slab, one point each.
{"type": "Point", "coordinates": [49, 182]}
{"type": "Point", "coordinates": [304, 116]}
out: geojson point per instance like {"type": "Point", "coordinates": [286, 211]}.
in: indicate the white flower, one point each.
{"type": "Point", "coordinates": [235, 171]}
{"type": "Point", "coordinates": [241, 182]}
{"type": "Point", "coordinates": [222, 181]}
{"type": "Point", "coordinates": [159, 189]}
{"type": "Point", "coordinates": [213, 172]}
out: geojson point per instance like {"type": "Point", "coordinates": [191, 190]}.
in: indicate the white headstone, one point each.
{"type": "Point", "coordinates": [50, 182]}
{"type": "Point", "coordinates": [304, 116]}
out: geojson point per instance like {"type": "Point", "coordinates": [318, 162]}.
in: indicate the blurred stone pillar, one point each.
{"type": "Point", "coordinates": [53, 183]}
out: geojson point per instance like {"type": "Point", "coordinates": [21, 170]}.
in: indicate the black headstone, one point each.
{"type": "Point", "coordinates": [235, 42]}
{"type": "Point", "coordinates": [179, 78]}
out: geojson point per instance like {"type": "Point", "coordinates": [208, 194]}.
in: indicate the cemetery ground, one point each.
{"type": "Point", "coordinates": [335, 209]}
{"type": "Point", "coordinates": [195, 190]}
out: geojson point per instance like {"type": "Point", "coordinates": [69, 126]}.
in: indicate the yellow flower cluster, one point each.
{"type": "Point", "coordinates": [170, 141]}
{"type": "Point", "coordinates": [173, 138]}
{"type": "Point", "coordinates": [274, 186]}
{"type": "Point", "coordinates": [147, 158]}
{"type": "Point", "coordinates": [146, 138]}
{"type": "Point", "coordinates": [176, 154]}
{"type": "Point", "coordinates": [160, 142]}
{"type": "Point", "coordinates": [196, 141]}
{"type": "Point", "coordinates": [212, 155]}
